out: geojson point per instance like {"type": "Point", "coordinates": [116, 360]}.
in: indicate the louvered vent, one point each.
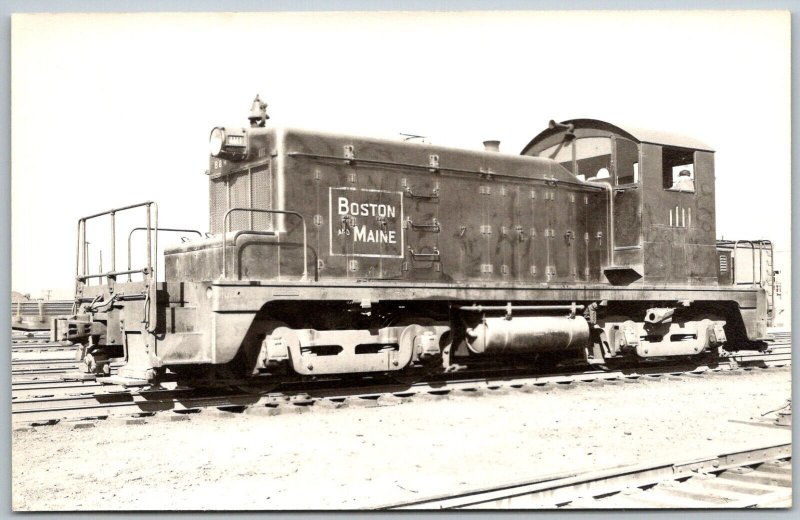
{"type": "Point", "coordinates": [250, 188]}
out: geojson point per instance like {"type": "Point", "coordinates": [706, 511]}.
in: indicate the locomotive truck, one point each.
{"type": "Point", "coordinates": [332, 255]}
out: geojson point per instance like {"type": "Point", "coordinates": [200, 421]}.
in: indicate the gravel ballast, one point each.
{"type": "Point", "coordinates": [365, 456]}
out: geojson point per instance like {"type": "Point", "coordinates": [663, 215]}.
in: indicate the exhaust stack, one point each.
{"type": "Point", "coordinates": [491, 146]}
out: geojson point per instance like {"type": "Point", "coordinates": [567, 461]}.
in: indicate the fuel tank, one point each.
{"type": "Point", "coordinates": [528, 334]}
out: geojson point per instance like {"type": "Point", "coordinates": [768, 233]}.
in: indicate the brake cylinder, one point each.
{"type": "Point", "coordinates": [528, 334]}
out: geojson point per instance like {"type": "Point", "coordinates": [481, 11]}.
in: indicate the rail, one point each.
{"type": "Point", "coordinates": [225, 225]}
{"type": "Point", "coordinates": [48, 407]}
{"type": "Point", "coordinates": [553, 491]}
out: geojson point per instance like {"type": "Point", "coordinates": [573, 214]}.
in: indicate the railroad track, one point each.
{"type": "Point", "coordinates": [760, 477]}
{"type": "Point", "coordinates": [24, 356]}
{"type": "Point", "coordinates": [53, 360]}
{"type": "Point", "coordinates": [62, 373]}
{"type": "Point", "coordinates": [34, 389]}
{"type": "Point", "coordinates": [42, 350]}
{"type": "Point", "coordinates": [45, 404]}
{"type": "Point", "coordinates": [779, 351]}
{"type": "Point", "coordinates": [49, 389]}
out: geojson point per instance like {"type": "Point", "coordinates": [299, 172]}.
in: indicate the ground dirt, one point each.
{"type": "Point", "coordinates": [357, 457]}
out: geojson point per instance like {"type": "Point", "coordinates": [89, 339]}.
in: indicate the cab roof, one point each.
{"type": "Point", "coordinates": [595, 127]}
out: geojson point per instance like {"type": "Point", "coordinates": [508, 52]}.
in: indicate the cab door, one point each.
{"type": "Point", "coordinates": [627, 196]}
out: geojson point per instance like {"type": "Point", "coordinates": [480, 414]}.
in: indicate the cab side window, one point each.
{"type": "Point", "coordinates": [593, 158]}
{"type": "Point", "coordinates": [627, 161]}
{"type": "Point", "coordinates": [678, 169]}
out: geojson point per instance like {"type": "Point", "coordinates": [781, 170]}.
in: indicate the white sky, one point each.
{"type": "Point", "coordinates": [111, 109]}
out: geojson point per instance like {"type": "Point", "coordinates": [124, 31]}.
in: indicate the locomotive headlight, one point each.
{"type": "Point", "coordinates": [228, 143]}
{"type": "Point", "coordinates": [216, 141]}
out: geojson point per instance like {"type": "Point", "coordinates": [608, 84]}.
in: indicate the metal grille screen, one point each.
{"type": "Point", "coordinates": [246, 189]}
{"type": "Point", "coordinates": [239, 187]}
{"type": "Point", "coordinates": [261, 191]}
{"type": "Point", "coordinates": [218, 203]}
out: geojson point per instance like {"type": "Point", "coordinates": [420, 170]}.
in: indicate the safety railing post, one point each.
{"type": "Point", "coordinates": [78, 251]}
{"type": "Point", "coordinates": [155, 245]}
{"type": "Point", "coordinates": [149, 240]}
{"type": "Point", "coordinates": [85, 255]}
{"type": "Point", "coordinates": [113, 242]}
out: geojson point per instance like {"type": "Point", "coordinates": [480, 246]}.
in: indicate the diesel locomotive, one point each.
{"type": "Point", "coordinates": [332, 255]}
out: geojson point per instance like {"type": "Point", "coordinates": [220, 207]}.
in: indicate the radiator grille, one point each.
{"type": "Point", "coordinates": [218, 203]}
{"type": "Point", "coordinates": [239, 187]}
{"type": "Point", "coordinates": [245, 189]}
{"type": "Point", "coordinates": [261, 197]}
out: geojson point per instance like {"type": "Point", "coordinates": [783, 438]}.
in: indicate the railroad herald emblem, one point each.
{"type": "Point", "coordinates": [366, 222]}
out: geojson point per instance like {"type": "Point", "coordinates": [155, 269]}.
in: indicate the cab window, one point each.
{"type": "Point", "coordinates": [593, 158]}
{"type": "Point", "coordinates": [678, 169]}
{"type": "Point", "coordinates": [588, 158]}
{"type": "Point", "coordinates": [561, 153]}
{"type": "Point", "coordinates": [627, 161]}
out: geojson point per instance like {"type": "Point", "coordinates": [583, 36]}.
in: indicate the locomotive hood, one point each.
{"type": "Point", "coordinates": [295, 143]}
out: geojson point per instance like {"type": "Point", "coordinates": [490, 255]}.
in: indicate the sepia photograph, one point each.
{"type": "Point", "coordinates": [391, 260]}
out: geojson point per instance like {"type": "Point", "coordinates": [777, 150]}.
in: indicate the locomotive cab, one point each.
{"type": "Point", "coordinates": [663, 228]}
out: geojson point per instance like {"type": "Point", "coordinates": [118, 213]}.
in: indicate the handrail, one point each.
{"type": "Point", "coordinates": [433, 226]}
{"type": "Point", "coordinates": [436, 254]}
{"type": "Point", "coordinates": [113, 273]}
{"type": "Point", "coordinates": [115, 210]}
{"type": "Point", "coordinates": [112, 212]}
{"type": "Point", "coordinates": [151, 270]}
{"type": "Point", "coordinates": [433, 196]}
{"type": "Point", "coordinates": [226, 220]}
{"type": "Point", "coordinates": [764, 247]}
{"type": "Point", "coordinates": [267, 234]}
{"type": "Point", "coordinates": [130, 235]}
{"type": "Point", "coordinates": [753, 249]}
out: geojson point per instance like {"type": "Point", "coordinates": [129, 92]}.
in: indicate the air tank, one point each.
{"type": "Point", "coordinates": [528, 334]}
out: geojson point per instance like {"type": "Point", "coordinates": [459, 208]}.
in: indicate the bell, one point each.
{"type": "Point", "coordinates": [258, 113]}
